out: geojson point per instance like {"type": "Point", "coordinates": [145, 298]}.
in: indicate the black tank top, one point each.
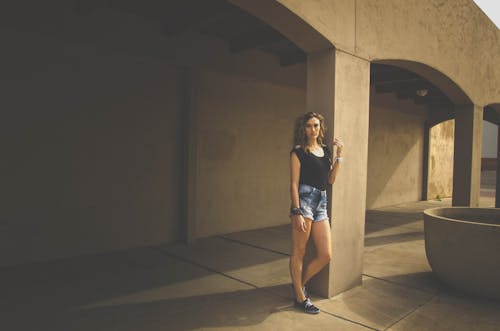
{"type": "Point", "coordinates": [313, 169]}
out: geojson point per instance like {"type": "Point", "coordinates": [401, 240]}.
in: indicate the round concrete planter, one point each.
{"type": "Point", "coordinates": [463, 248]}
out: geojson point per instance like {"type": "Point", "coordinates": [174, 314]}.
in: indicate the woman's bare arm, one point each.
{"type": "Point", "coordinates": [333, 172]}
{"type": "Point", "coordinates": [297, 220]}
{"type": "Point", "coordinates": [332, 175]}
{"type": "Point", "coordinates": [294, 179]}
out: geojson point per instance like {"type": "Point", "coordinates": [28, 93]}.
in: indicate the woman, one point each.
{"type": "Point", "coordinates": [311, 169]}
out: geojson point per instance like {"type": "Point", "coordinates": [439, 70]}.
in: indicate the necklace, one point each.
{"type": "Point", "coordinates": [316, 150]}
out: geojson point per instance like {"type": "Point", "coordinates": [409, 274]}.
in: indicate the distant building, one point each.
{"type": "Point", "coordinates": [490, 149]}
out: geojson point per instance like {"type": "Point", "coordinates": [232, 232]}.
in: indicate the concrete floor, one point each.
{"type": "Point", "coordinates": [240, 281]}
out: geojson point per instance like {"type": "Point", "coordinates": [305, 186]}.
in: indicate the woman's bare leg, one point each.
{"type": "Point", "coordinates": [322, 240]}
{"type": "Point", "coordinates": [299, 242]}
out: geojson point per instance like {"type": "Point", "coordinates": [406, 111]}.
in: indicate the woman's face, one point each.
{"type": "Point", "coordinates": [312, 128]}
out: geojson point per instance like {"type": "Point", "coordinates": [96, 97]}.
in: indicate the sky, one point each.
{"type": "Point", "coordinates": [490, 8]}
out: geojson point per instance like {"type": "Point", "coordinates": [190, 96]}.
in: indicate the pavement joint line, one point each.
{"type": "Point", "coordinates": [221, 273]}
{"type": "Point", "coordinates": [250, 284]}
{"type": "Point", "coordinates": [404, 234]}
{"type": "Point", "coordinates": [162, 250]}
{"type": "Point", "coordinates": [252, 245]}
{"type": "Point", "coordinates": [349, 320]}
{"type": "Point", "coordinates": [411, 311]}
{"type": "Point", "coordinates": [394, 225]}
{"type": "Point", "coordinates": [399, 284]}
{"type": "Point", "coordinates": [324, 311]}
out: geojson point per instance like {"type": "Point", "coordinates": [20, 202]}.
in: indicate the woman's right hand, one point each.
{"type": "Point", "coordinates": [299, 223]}
{"type": "Point", "coordinates": [340, 145]}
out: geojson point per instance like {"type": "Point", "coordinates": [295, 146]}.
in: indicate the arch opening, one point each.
{"type": "Point", "coordinates": [437, 80]}
{"type": "Point", "coordinates": [490, 154]}
{"type": "Point", "coordinates": [412, 107]}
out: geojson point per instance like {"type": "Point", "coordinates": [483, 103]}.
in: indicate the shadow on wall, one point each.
{"type": "Point", "coordinates": [91, 124]}
{"type": "Point", "coordinates": [90, 165]}
{"type": "Point", "coordinates": [394, 152]}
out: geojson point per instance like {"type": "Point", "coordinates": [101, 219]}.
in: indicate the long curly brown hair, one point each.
{"type": "Point", "coordinates": [299, 132]}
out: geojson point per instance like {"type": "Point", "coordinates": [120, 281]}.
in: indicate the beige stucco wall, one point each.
{"type": "Point", "coordinates": [97, 126]}
{"type": "Point", "coordinates": [334, 19]}
{"type": "Point", "coordinates": [441, 144]}
{"type": "Point", "coordinates": [244, 139]}
{"type": "Point", "coordinates": [90, 148]}
{"type": "Point", "coordinates": [395, 151]}
{"type": "Point", "coordinates": [454, 37]}
{"type": "Point", "coordinates": [93, 118]}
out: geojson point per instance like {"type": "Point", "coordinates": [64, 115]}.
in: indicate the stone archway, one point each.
{"type": "Point", "coordinates": [446, 100]}
{"type": "Point", "coordinates": [338, 87]}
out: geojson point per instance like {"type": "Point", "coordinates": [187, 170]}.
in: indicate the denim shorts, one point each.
{"type": "Point", "coordinates": [313, 203]}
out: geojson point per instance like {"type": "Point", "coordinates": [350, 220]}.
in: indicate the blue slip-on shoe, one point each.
{"type": "Point", "coordinates": [307, 306]}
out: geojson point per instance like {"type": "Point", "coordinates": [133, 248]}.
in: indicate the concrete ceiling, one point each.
{"type": "Point", "coordinates": [243, 32]}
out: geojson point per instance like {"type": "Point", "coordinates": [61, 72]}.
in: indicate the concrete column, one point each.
{"type": "Point", "coordinates": [338, 87]}
{"type": "Point", "coordinates": [467, 155]}
{"type": "Point", "coordinates": [425, 177]}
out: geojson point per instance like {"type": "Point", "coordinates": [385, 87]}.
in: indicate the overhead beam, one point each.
{"type": "Point", "coordinates": [405, 94]}
{"type": "Point", "coordinates": [294, 57]}
{"type": "Point", "coordinates": [431, 100]}
{"type": "Point", "coordinates": [393, 77]}
{"type": "Point", "coordinates": [187, 16]}
{"type": "Point", "coordinates": [255, 39]}
{"type": "Point", "coordinates": [403, 86]}
{"type": "Point", "coordinates": [376, 68]}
